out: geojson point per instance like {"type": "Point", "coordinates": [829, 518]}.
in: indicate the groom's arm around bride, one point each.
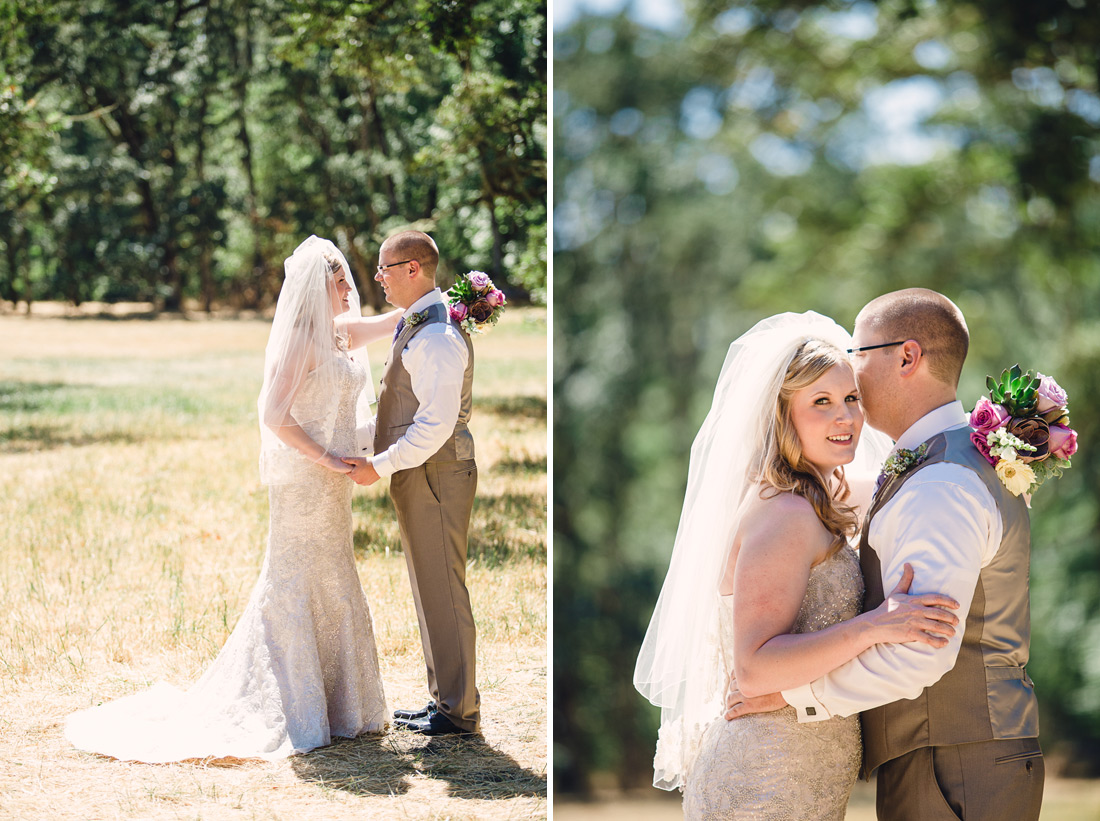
{"type": "Point", "coordinates": [952, 732]}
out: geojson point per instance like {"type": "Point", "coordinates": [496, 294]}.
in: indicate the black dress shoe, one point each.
{"type": "Point", "coordinates": [410, 715]}
{"type": "Point", "coordinates": [433, 724]}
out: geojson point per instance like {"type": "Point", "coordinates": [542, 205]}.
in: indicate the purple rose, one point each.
{"type": "Point", "coordinates": [481, 311]}
{"type": "Point", "coordinates": [1063, 441]}
{"type": "Point", "coordinates": [987, 416]}
{"type": "Point", "coordinates": [480, 281]}
{"type": "Point", "coordinates": [459, 311]}
{"type": "Point", "coordinates": [495, 297]}
{"type": "Point", "coordinates": [1051, 395]}
{"type": "Point", "coordinates": [978, 438]}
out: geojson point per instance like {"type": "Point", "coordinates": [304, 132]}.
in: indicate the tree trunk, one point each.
{"type": "Point", "coordinates": [244, 61]}
{"type": "Point", "coordinates": [498, 242]}
{"type": "Point", "coordinates": [206, 278]}
{"type": "Point", "coordinates": [363, 272]}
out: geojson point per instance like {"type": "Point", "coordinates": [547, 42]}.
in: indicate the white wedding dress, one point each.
{"type": "Point", "coordinates": [300, 666]}
{"type": "Point", "coordinates": [767, 766]}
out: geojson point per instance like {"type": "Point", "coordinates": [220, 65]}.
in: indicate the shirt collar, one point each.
{"type": "Point", "coordinates": [945, 417]}
{"type": "Point", "coordinates": [431, 298]}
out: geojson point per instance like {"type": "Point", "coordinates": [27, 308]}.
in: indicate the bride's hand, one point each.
{"type": "Point", "coordinates": [335, 463]}
{"type": "Point", "coordinates": [924, 618]}
{"type": "Point", "coordinates": [738, 705]}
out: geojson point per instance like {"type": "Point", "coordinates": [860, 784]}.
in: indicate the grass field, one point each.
{"type": "Point", "coordinates": [133, 525]}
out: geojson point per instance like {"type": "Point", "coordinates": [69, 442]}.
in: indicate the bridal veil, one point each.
{"type": "Point", "coordinates": [679, 667]}
{"type": "Point", "coordinates": [304, 345]}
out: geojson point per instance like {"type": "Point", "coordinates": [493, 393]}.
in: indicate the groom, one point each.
{"type": "Point", "coordinates": [952, 732]}
{"type": "Point", "coordinates": [422, 443]}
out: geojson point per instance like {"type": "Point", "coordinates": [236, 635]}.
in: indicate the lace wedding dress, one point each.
{"type": "Point", "coordinates": [300, 666]}
{"type": "Point", "coordinates": [767, 766]}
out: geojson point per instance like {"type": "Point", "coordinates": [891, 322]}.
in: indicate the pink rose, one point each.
{"type": "Point", "coordinates": [459, 311]}
{"type": "Point", "coordinates": [1051, 395]}
{"type": "Point", "coordinates": [495, 297]}
{"type": "Point", "coordinates": [987, 416]}
{"type": "Point", "coordinates": [1063, 441]}
{"type": "Point", "coordinates": [978, 438]}
{"type": "Point", "coordinates": [480, 281]}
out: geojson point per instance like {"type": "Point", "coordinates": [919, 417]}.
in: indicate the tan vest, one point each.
{"type": "Point", "coordinates": [988, 693]}
{"type": "Point", "coordinates": [397, 404]}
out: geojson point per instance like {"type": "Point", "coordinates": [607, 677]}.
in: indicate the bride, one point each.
{"type": "Point", "coordinates": [300, 666]}
{"type": "Point", "coordinates": [763, 584]}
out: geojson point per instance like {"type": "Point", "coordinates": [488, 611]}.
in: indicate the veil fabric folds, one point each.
{"type": "Point", "coordinates": [680, 667]}
{"type": "Point", "coordinates": [304, 347]}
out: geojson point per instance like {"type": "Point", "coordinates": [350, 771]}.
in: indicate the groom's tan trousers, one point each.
{"type": "Point", "coordinates": [982, 781]}
{"type": "Point", "coordinates": [433, 503]}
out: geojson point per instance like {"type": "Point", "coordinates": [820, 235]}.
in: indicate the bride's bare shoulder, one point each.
{"type": "Point", "coordinates": [781, 516]}
{"type": "Point", "coordinates": [767, 503]}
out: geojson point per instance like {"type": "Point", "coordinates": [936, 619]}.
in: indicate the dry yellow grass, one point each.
{"type": "Point", "coordinates": [132, 526]}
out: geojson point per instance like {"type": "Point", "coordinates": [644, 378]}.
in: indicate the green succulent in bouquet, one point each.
{"type": "Point", "coordinates": [1017, 392]}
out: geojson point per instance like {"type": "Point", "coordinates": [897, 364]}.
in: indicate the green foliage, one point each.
{"type": "Point", "coordinates": [170, 151]}
{"type": "Point", "coordinates": [1017, 391]}
{"type": "Point", "coordinates": [748, 163]}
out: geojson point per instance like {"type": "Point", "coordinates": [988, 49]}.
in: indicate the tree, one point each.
{"type": "Point", "coordinates": [196, 142]}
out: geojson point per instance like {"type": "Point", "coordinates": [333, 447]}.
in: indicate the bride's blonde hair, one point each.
{"type": "Point", "coordinates": [779, 464]}
{"type": "Point", "coordinates": [343, 339]}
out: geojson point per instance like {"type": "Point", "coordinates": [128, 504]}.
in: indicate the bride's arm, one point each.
{"type": "Point", "coordinates": [366, 329]}
{"type": "Point", "coordinates": [780, 542]}
{"type": "Point", "coordinates": [278, 418]}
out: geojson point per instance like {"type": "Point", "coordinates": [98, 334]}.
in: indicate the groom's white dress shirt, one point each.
{"type": "Point", "coordinates": [945, 523]}
{"type": "Point", "coordinates": [436, 359]}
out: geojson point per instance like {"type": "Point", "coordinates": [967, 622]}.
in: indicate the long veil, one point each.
{"type": "Point", "coordinates": [304, 345]}
{"type": "Point", "coordinates": [679, 666]}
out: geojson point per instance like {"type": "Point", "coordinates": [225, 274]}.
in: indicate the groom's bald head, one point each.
{"type": "Point", "coordinates": [928, 317]}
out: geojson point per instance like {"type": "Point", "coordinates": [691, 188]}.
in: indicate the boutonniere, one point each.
{"type": "Point", "coordinates": [412, 320]}
{"type": "Point", "coordinates": [904, 460]}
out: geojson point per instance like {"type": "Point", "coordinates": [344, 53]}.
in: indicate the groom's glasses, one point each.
{"type": "Point", "coordinates": [382, 268]}
{"type": "Point", "coordinates": [874, 347]}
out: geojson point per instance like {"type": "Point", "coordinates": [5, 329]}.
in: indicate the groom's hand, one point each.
{"type": "Point", "coordinates": [362, 471]}
{"type": "Point", "coordinates": [738, 705]}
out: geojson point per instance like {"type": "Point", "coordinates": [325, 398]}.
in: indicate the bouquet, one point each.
{"type": "Point", "coordinates": [475, 302]}
{"type": "Point", "coordinates": [1022, 428]}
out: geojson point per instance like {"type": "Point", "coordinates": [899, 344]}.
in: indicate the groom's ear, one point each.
{"type": "Point", "coordinates": [910, 356]}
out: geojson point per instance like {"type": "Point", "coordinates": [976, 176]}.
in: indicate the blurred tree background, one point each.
{"type": "Point", "coordinates": [715, 164]}
{"type": "Point", "coordinates": [180, 150]}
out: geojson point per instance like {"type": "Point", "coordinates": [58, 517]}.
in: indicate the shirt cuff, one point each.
{"type": "Point", "coordinates": [806, 704]}
{"type": "Point", "coordinates": [383, 464]}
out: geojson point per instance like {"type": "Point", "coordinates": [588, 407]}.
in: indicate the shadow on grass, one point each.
{"type": "Point", "coordinates": [530, 407]}
{"type": "Point", "coordinates": [522, 509]}
{"type": "Point", "coordinates": [374, 765]}
{"type": "Point", "coordinates": [476, 770]}
{"type": "Point", "coordinates": [493, 536]}
{"type": "Point", "coordinates": [368, 765]}
{"type": "Point", "coordinates": [45, 401]}
{"type": "Point", "coordinates": [28, 397]}
{"type": "Point", "coordinates": [517, 467]}
{"type": "Point", "coordinates": [37, 438]}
